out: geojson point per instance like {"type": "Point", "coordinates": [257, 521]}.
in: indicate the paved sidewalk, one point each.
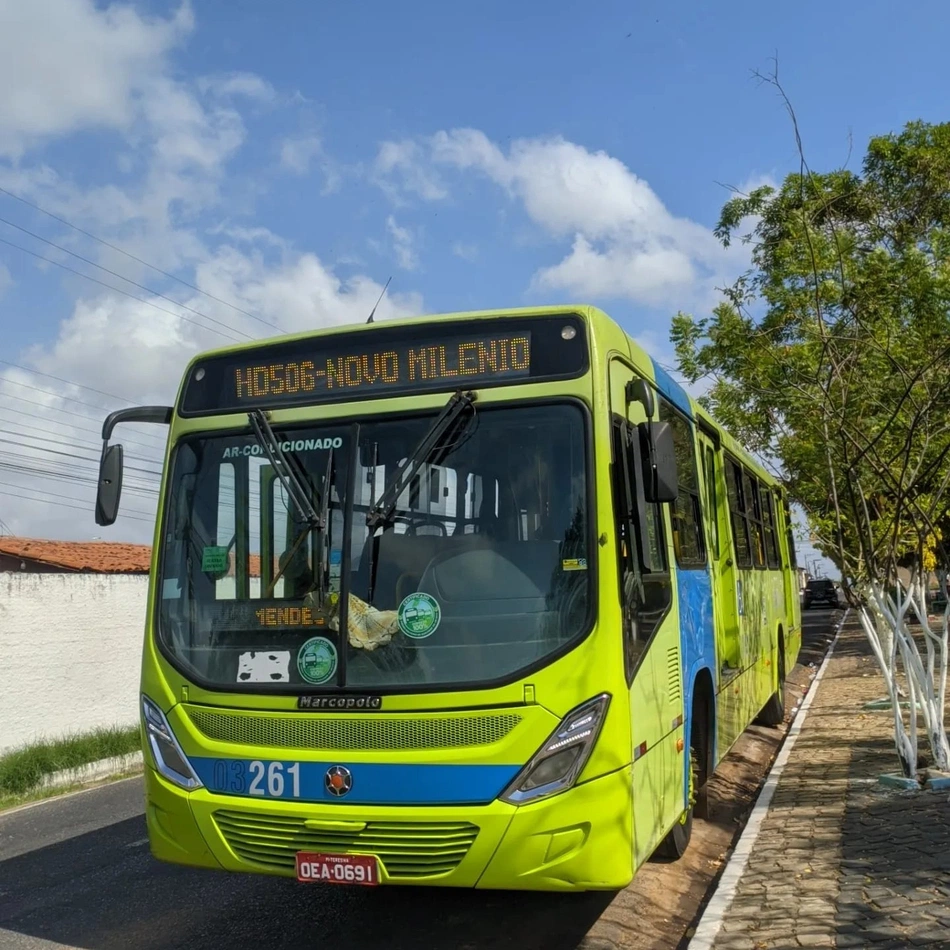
{"type": "Point", "coordinates": [841, 861]}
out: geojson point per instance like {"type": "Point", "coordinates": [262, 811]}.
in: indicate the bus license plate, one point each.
{"type": "Point", "coordinates": [337, 868]}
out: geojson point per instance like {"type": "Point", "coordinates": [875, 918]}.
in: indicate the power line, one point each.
{"type": "Point", "coordinates": [68, 382]}
{"type": "Point", "coordinates": [128, 280]}
{"type": "Point", "coordinates": [139, 260]}
{"type": "Point", "coordinates": [75, 428]}
{"type": "Point", "coordinates": [118, 290]}
{"type": "Point", "coordinates": [75, 480]}
{"type": "Point", "coordinates": [66, 412]}
{"type": "Point", "coordinates": [62, 398]}
{"type": "Point", "coordinates": [92, 457]}
{"type": "Point", "coordinates": [79, 458]}
{"type": "Point", "coordinates": [61, 504]}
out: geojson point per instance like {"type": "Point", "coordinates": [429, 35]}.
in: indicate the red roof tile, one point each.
{"type": "Point", "coordinates": [98, 557]}
{"type": "Point", "coordinates": [95, 557]}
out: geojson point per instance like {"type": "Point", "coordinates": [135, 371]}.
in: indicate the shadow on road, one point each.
{"type": "Point", "coordinates": [103, 890]}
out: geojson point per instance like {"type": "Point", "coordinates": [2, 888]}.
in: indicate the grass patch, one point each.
{"type": "Point", "coordinates": [22, 770]}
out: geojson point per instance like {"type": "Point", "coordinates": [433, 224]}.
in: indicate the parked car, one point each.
{"type": "Point", "coordinates": [820, 592]}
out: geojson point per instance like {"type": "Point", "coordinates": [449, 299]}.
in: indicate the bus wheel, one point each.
{"type": "Point", "coordinates": [674, 845]}
{"type": "Point", "coordinates": [773, 712]}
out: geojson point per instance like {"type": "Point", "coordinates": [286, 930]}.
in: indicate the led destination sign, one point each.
{"type": "Point", "coordinates": [389, 361]}
{"type": "Point", "coordinates": [490, 356]}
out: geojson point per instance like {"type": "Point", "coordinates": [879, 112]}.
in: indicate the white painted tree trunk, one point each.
{"type": "Point", "coordinates": [886, 617]}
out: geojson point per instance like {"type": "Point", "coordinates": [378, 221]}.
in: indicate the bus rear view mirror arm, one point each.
{"type": "Point", "coordinates": [160, 415]}
{"type": "Point", "coordinates": [660, 479]}
{"type": "Point", "coordinates": [109, 489]}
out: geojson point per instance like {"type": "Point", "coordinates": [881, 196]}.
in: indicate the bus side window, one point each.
{"type": "Point", "coordinates": [686, 511]}
{"type": "Point", "coordinates": [771, 535]}
{"type": "Point", "coordinates": [711, 499]}
{"type": "Point", "coordinates": [645, 591]}
{"type": "Point", "coordinates": [737, 512]}
{"type": "Point", "coordinates": [754, 515]}
{"type": "Point", "coordinates": [789, 536]}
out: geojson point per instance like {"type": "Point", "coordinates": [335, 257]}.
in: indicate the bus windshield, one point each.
{"type": "Point", "coordinates": [480, 569]}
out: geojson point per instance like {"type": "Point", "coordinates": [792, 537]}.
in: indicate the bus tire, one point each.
{"type": "Point", "coordinates": [674, 845]}
{"type": "Point", "coordinates": [773, 712]}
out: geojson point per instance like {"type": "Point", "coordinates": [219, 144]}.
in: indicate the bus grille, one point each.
{"type": "Point", "coordinates": [297, 731]}
{"type": "Point", "coordinates": [406, 849]}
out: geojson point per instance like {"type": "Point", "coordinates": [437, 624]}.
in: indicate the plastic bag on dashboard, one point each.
{"type": "Point", "coordinates": [367, 627]}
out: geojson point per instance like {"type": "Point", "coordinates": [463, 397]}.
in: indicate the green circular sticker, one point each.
{"type": "Point", "coordinates": [316, 660]}
{"type": "Point", "coordinates": [419, 615]}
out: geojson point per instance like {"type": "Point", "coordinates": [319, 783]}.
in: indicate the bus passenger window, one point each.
{"type": "Point", "coordinates": [737, 512]}
{"type": "Point", "coordinates": [712, 506]}
{"type": "Point", "coordinates": [645, 593]}
{"type": "Point", "coordinates": [771, 536]}
{"type": "Point", "coordinates": [686, 511]}
{"type": "Point", "coordinates": [754, 515]}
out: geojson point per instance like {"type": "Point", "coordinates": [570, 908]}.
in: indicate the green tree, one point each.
{"type": "Point", "coordinates": [830, 357]}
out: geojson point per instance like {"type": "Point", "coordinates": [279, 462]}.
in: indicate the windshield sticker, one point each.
{"type": "Point", "coordinates": [214, 559]}
{"type": "Point", "coordinates": [419, 615]}
{"type": "Point", "coordinates": [262, 667]}
{"type": "Point", "coordinates": [296, 445]}
{"type": "Point", "coordinates": [574, 564]}
{"type": "Point", "coordinates": [316, 661]}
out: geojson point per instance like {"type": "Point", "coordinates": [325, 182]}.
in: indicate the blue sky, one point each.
{"type": "Point", "coordinates": [289, 157]}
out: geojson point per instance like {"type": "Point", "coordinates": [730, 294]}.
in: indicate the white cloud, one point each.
{"type": "Point", "coordinates": [624, 241]}
{"type": "Point", "coordinates": [402, 245]}
{"type": "Point", "coordinates": [297, 154]}
{"type": "Point", "coordinates": [647, 274]}
{"type": "Point", "coordinates": [401, 168]}
{"type": "Point", "coordinates": [178, 140]}
{"type": "Point", "coordinates": [247, 85]}
{"type": "Point", "coordinates": [137, 352]}
{"type": "Point", "coordinates": [468, 252]}
{"type": "Point", "coordinates": [757, 181]}
{"type": "Point", "coordinates": [67, 64]}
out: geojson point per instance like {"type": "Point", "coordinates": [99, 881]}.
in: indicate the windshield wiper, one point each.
{"type": "Point", "coordinates": [292, 475]}
{"type": "Point", "coordinates": [448, 422]}
{"type": "Point", "coordinates": [286, 465]}
{"type": "Point", "coordinates": [434, 444]}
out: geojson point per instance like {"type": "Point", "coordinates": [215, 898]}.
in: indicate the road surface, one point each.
{"type": "Point", "coordinates": [76, 872]}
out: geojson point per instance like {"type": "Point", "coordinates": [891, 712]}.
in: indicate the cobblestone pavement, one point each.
{"type": "Point", "coordinates": [840, 860]}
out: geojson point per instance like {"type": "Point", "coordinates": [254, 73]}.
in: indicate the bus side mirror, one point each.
{"type": "Point", "coordinates": [638, 390]}
{"type": "Point", "coordinates": [660, 479]}
{"type": "Point", "coordinates": [110, 485]}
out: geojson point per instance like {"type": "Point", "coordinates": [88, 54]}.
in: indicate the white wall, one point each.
{"type": "Point", "coordinates": [70, 649]}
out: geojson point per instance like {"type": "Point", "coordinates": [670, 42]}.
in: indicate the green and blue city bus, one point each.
{"type": "Point", "coordinates": [471, 600]}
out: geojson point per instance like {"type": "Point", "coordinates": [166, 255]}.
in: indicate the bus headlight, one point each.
{"type": "Point", "coordinates": [555, 766]}
{"type": "Point", "coordinates": [169, 758]}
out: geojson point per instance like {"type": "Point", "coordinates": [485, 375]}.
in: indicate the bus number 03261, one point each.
{"type": "Point", "coordinates": [272, 779]}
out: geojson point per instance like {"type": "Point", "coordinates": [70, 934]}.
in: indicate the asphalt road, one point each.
{"type": "Point", "coordinates": [76, 872]}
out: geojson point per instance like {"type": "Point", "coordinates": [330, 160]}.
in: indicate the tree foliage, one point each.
{"type": "Point", "coordinates": [831, 355]}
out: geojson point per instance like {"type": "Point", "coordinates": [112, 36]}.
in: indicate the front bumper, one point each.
{"type": "Point", "coordinates": [579, 840]}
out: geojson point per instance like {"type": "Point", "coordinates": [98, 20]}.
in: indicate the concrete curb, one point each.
{"type": "Point", "coordinates": [711, 921]}
{"type": "Point", "coordinates": [92, 771]}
